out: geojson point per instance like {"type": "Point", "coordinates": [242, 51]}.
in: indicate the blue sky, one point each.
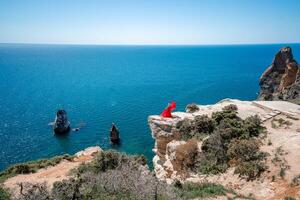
{"type": "Point", "coordinates": [150, 22]}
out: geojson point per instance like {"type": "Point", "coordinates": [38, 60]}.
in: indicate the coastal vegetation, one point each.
{"type": "Point", "coordinates": [190, 190]}
{"type": "Point", "coordinates": [278, 123]}
{"type": "Point", "coordinates": [110, 175]}
{"type": "Point", "coordinates": [114, 176]}
{"type": "Point", "coordinates": [296, 181]}
{"type": "Point", "coordinates": [32, 166]}
{"type": "Point", "coordinates": [289, 198]}
{"type": "Point", "coordinates": [279, 161]}
{"type": "Point", "coordinates": [4, 194]}
{"type": "Point", "coordinates": [227, 140]}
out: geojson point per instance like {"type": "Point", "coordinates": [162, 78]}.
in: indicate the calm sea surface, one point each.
{"type": "Point", "coordinates": [98, 85]}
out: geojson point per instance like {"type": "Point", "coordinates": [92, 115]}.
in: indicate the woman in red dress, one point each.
{"type": "Point", "coordinates": [167, 111]}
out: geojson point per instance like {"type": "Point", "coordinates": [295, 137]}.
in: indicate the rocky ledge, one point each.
{"type": "Point", "coordinates": [281, 80]}
{"type": "Point", "coordinates": [174, 155]}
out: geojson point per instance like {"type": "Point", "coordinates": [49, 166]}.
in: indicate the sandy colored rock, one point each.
{"type": "Point", "coordinates": [289, 76]}
{"type": "Point", "coordinates": [281, 79]}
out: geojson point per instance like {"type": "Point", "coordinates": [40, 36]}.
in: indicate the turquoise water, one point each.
{"type": "Point", "coordinates": [98, 85]}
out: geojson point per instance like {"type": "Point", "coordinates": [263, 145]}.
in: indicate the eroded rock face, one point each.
{"type": "Point", "coordinates": [61, 123]}
{"type": "Point", "coordinates": [182, 155]}
{"type": "Point", "coordinates": [281, 80]}
{"type": "Point", "coordinates": [173, 156]}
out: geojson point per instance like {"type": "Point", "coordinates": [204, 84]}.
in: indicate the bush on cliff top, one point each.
{"type": "Point", "coordinates": [230, 142]}
{"type": "Point", "coordinates": [198, 128]}
{"type": "Point", "coordinates": [207, 190]}
{"type": "Point", "coordinates": [110, 160]}
{"type": "Point", "coordinates": [32, 166]}
{"type": "Point", "coordinates": [247, 158]}
{"type": "Point", "coordinates": [116, 176]}
{"type": "Point", "coordinates": [4, 195]}
{"type": "Point", "coordinates": [111, 175]}
{"type": "Point", "coordinates": [191, 190]}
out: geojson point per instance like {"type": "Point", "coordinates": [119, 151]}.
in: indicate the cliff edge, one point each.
{"type": "Point", "coordinates": [176, 157]}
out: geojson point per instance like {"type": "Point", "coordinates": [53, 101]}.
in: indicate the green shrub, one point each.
{"type": "Point", "coordinates": [225, 114]}
{"type": "Point", "coordinates": [230, 141]}
{"type": "Point", "coordinates": [296, 181]}
{"type": "Point", "coordinates": [280, 122]}
{"type": "Point", "coordinates": [204, 124]}
{"type": "Point", "coordinates": [66, 189]}
{"type": "Point", "coordinates": [4, 195]}
{"type": "Point", "coordinates": [242, 150]}
{"type": "Point", "coordinates": [186, 129]}
{"type": "Point", "coordinates": [214, 145]}
{"type": "Point", "coordinates": [198, 128]}
{"type": "Point", "coordinates": [32, 166]}
{"type": "Point", "coordinates": [247, 157]}
{"type": "Point", "coordinates": [214, 159]}
{"type": "Point", "coordinates": [252, 126]}
{"type": "Point", "coordinates": [209, 167]}
{"type": "Point", "coordinates": [110, 160]}
{"type": "Point", "coordinates": [142, 160]}
{"type": "Point", "coordinates": [250, 169]}
{"type": "Point", "coordinates": [229, 129]}
{"type": "Point", "coordinates": [106, 161]}
{"type": "Point", "coordinates": [282, 172]}
{"type": "Point", "coordinates": [201, 190]}
{"type": "Point", "coordinates": [289, 198]}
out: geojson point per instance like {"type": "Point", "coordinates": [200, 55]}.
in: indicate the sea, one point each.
{"type": "Point", "coordinates": [99, 85]}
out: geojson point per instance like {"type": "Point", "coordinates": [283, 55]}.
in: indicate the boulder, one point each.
{"type": "Point", "coordinates": [61, 123]}
{"type": "Point", "coordinates": [90, 151]}
{"type": "Point", "coordinates": [281, 80]}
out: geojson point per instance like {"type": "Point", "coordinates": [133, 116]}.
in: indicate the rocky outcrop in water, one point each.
{"type": "Point", "coordinates": [281, 80]}
{"type": "Point", "coordinates": [114, 135]}
{"type": "Point", "coordinates": [61, 123]}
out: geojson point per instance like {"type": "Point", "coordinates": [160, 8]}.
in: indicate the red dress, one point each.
{"type": "Point", "coordinates": [167, 111]}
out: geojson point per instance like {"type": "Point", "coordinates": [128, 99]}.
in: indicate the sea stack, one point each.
{"type": "Point", "coordinates": [281, 80]}
{"type": "Point", "coordinates": [114, 135]}
{"type": "Point", "coordinates": [61, 123]}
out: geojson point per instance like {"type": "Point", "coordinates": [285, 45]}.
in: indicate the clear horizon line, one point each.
{"type": "Point", "coordinates": [146, 44]}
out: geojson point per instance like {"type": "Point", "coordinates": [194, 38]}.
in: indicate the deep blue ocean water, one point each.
{"type": "Point", "coordinates": [98, 85]}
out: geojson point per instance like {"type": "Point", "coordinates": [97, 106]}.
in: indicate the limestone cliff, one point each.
{"type": "Point", "coordinates": [281, 80]}
{"type": "Point", "coordinates": [173, 155]}
{"type": "Point", "coordinates": [168, 162]}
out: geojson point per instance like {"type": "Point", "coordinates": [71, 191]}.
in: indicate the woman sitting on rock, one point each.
{"type": "Point", "coordinates": [167, 111]}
